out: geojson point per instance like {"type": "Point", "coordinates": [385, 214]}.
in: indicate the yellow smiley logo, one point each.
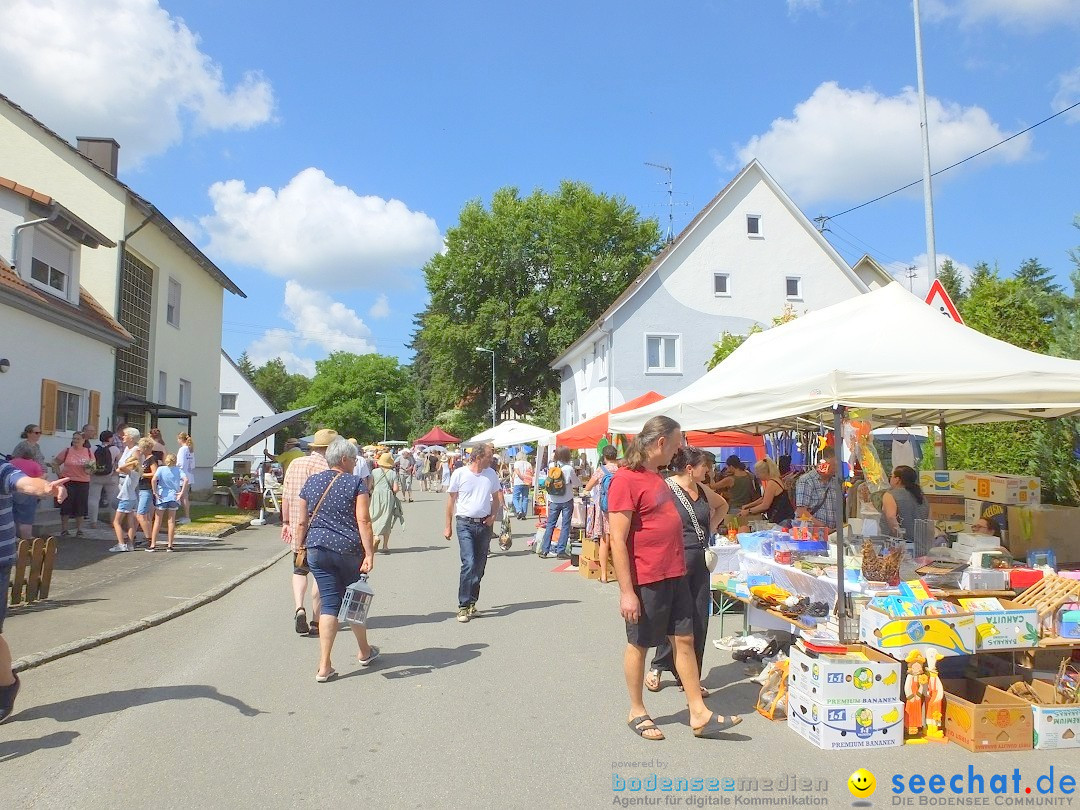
{"type": "Point", "coordinates": [862, 784]}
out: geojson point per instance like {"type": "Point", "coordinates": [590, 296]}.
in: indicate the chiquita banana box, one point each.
{"type": "Point", "coordinates": [945, 635]}
{"type": "Point", "coordinates": [878, 725]}
{"type": "Point", "coordinates": [861, 676]}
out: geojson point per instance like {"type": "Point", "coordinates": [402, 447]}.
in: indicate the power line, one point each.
{"type": "Point", "coordinates": [954, 165]}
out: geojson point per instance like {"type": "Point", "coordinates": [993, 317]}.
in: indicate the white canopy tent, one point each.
{"type": "Point", "coordinates": [511, 433]}
{"type": "Point", "coordinates": [886, 351]}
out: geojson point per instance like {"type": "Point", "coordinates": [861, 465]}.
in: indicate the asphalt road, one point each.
{"type": "Point", "coordinates": [523, 707]}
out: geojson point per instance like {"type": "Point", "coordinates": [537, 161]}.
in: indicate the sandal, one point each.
{"type": "Point", "coordinates": [639, 725]}
{"type": "Point", "coordinates": [300, 618]}
{"type": "Point", "coordinates": [652, 680]}
{"type": "Point", "coordinates": [329, 676]}
{"type": "Point", "coordinates": [313, 628]}
{"type": "Point", "coordinates": [716, 724]}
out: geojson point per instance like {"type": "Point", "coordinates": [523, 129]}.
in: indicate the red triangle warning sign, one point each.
{"type": "Point", "coordinates": [939, 300]}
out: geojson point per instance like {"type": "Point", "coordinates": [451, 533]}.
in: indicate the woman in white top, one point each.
{"type": "Point", "coordinates": [522, 480]}
{"type": "Point", "coordinates": [185, 460]}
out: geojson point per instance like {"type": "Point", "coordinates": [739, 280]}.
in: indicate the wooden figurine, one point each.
{"type": "Point", "coordinates": [915, 691]}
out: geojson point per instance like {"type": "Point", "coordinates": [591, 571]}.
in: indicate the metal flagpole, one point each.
{"type": "Point", "coordinates": [928, 191]}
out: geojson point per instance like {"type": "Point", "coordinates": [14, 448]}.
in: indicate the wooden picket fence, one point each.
{"type": "Point", "coordinates": [31, 575]}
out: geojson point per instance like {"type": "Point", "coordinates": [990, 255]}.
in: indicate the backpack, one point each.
{"type": "Point", "coordinates": [605, 485]}
{"type": "Point", "coordinates": [103, 461]}
{"type": "Point", "coordinates": [556, 481]}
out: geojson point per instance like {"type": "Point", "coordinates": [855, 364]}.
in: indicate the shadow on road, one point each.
{"type": "Point", "coordinates": [385, 622]}
{"type": "Point", "coordinates": [13, 749]}
{"type": "Point", "coordinates": [68, 711]}
{"type": "Point", "coordinates": [415, 549]}
{"type": "Point", "coordinates": [48, 604]}
{"type": "Point", "coordinates": [506, 610]}
{"type": "Point", "coordinates": [425, 661]}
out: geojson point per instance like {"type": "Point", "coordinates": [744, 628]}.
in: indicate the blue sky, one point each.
{"type": "Point", "coordinates": [318, 154]}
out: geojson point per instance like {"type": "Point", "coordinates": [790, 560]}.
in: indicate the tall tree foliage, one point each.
{"type": "Point", "coordinates": [343, 392]}
{"type": "Point", "coordinates": [278, 387]}
{"type": "Point", "coordinates": [952, 281]}
{"type": "Point", "coordinates": [526, 277]}
{"type": "Point", "coordinates": [247, 368]}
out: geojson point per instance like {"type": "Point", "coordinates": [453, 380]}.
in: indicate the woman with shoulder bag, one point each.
{"type": "Point", "coordinates": [335, 534]}
{"type": "Point", "coordinates": [385, 505]}
{"type": "Point", "coordinates": [775, 502]}
{"type": "Point", "coordinates": [701, 511]}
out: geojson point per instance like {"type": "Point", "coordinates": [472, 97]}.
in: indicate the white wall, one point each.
{"type": "Point", "coordinates": [249, 406]}
{"type": "Point", "coordinates": [38, 349]}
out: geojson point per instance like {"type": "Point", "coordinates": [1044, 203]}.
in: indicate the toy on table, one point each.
{"type": "Point", "coordinates": [923, 697]}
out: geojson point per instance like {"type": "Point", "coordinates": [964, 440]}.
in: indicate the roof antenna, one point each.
{"type": "Point", "coordinates": [670, 237]}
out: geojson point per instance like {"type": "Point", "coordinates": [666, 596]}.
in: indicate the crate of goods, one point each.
{"type": "Point", "coordinates": [1005, 489]}
{"type": "Point", "coordinates": [981, 717]}
{"type": "Point", "coordinates": [1055, 724]}
{"type": "Point", "coordinates": [952, 634]}
{"type": "Point", "coordinates": [1001, 624]}
{"type": "Point", "coordinates": [862, 675]}
{"type": "Point", "coordinates": [873, 725]}
{"type": "Point", "coordinates": [949, 508]}
{"type": "Point", "coordinates": [944, 482]}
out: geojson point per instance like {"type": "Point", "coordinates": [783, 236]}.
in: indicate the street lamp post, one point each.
{"type": "Point", "coordinates": [492, 352]}
{"type": "Point", "coordinates": [381, 394]}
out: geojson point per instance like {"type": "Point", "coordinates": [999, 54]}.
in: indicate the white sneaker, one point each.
{"type": "Point", "coordinates": [183, 520]}
{"type": "Point", "coordinates": [120, 547]}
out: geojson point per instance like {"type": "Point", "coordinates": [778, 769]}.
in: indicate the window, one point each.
{"type": "Point", "coordinates": [793, 287]}
{"type": "Point", "coordinates": [602, 370]}
{"type": "Point", "coordinates": [68, 410]}
{"type": "Point", "coordinates": [48, 276]}
{"type": "Point", "coordinates": [753, 225]}
{"type": "Point", "coordinates": [661, 353]}
{"type": "Point", "coordinates": [172, 306]}
{"type": "Point", "coordinates": [722, 285]}
{"type": "Point", "coordinates": [162, 387]}
{"type": "Point", "coordinates": [228, 402]}
{"type": "Point", "coordinates": [185, 395]}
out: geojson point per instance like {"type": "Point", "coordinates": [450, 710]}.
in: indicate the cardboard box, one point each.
{"type": "Point", "coordinates": [878, 725]}
{"type": "Point", "coordinates": [943, 482]}
{"type": "Point", "coordinates": [1004, 489]}
{"type": "Point", "coordinates": [1035, 527]}
{"type": "Point", "coordinates": [1011, 628]}
{"type": "Point", "coordinates": [981, 717]}
{"type": "Point", "coordinates": [834, 680]}
{"type": "Point", "coordinates": [1054, 725]}
{"type": "Point", "coordinates": [946, 507]}
{"type": "Point", "coordinates": [590, 549]}
{"type": "Point", "coordinates": [590, 569]}
{"type": "Point", "coordinates": [975, 510]}
{"type": "Point", "coordinates": [946, 635]}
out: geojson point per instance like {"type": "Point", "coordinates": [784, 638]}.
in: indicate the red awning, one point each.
{"type": "Point", "coordinates": [437, 436]}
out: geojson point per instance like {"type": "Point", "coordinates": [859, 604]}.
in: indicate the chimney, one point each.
{"type": "Point", "coordinates": [103, 152]}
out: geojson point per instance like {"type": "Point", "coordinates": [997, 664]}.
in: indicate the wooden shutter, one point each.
{"type": "Point", "coordinates": [93, 412]}
{"type": "Point", "coordinates": [47, 423]}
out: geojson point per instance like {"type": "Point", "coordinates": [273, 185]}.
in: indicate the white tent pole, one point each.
{"type": "Point", "coordinates": [838, 482]}
{"type": "Point", "coordinates": [928, 189]}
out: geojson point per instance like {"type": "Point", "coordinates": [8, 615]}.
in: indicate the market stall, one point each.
{"type": "Point", "coordinates": [512, 433]}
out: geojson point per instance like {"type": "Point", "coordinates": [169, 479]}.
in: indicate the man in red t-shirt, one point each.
{"type": "Point", "coordinates": [655, 599]}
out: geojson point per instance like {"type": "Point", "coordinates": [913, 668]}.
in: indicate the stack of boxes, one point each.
{"type": "Point", "coordinates": [959, 497]}
{"type": "Point", "coordinates": [589, 563]}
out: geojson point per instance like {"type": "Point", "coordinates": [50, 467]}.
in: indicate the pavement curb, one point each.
{"type": "Point", "coordinates": [153, 620]}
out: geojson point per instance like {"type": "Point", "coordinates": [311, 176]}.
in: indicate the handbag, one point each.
{"type": "Point", "coordinates": [300, 560]}
{"type": "Point", "coordinates": [689, 507]}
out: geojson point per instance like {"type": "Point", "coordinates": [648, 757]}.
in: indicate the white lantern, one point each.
{"type": "Point", "coordinates": [356, 602]}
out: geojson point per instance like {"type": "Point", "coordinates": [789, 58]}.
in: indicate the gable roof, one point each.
{"type": "Point", "coordinates": [755, 167]}
{"type": "Point", "coordinates": [145, 206]}
{"type": "Point", "coordinates": [88, 318]}
{"type": "Point", "coordinates": [42, 205]}
{"type": "Point", "coordinates": [874, 266]}
{"type": "Point", "coordinates": [250, 384]}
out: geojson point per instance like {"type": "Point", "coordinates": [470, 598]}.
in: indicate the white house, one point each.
{"type": "Point", "coordinates": [146, 275]}
{"type": "Point", "coordinates": [240, 405]}
{"type": "Point", "coordinates": [744, 258]}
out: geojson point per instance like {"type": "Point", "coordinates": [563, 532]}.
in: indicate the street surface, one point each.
{"type": "Point", "coordinates": [523, 707]}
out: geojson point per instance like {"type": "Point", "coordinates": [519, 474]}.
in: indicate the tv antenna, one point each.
{"type": "Point", "coordinates": [670, 236]}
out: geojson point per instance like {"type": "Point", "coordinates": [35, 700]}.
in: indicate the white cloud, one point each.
{"type": "Point", "coordinates": [124, 69]}
{"type": "Point", "coordinates": [920, 284]}
{"type": "Point", "coordinates": [795, 6]}
{"type": "Point", "coordinates": [318, 232]}
{"type": "Point", "coordinates": [856, 144]}
{"type": "Point", "coordinates": [1033, 15]}
{"type": "Point", "coordinates": [1068, 93]}
{"type": "Point", "coordinates": [381, 307]}
{"type": "Point", "coordinates": [320, 324]}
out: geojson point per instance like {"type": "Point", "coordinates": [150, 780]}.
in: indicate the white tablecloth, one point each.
{"type": "Point", "coordinates": [727, 558]}
{"type": "Point", "coordinates": [819, 589]}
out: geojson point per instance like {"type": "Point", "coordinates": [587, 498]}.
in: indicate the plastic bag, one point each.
{"type": "Point", "coordinates": [772, 700]}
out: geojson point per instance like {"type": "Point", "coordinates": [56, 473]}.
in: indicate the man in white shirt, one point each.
{"type": "Point", "coordinates": [523, 479]}
{"type": "Point", "coordinates": [475, 498]}
{"type": "Point", "coordinates": [559, 505]}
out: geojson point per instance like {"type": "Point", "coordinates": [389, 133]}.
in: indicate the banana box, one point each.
{"type": "Point", "coordinates": [946, 635]}
{"type": "Point", "coordinates": [1055, 725]}
{"type": "Point", "coordinates": [1013, 627]}
{"type": "Point", "coordinates": [877, 725]}
{"type": "Point", "coordinates": [944, 482]}
{"type": "Point", "coordinates": [1012, 490]}
{"type": "Point", "coordinates": [861, 677]}
{"type": "Point", "coordinates": [981, 717]}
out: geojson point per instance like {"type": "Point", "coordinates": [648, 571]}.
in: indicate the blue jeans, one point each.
{"type": "Point", "coordinates": [473, 539]}
{"type": "Point", "coordinates": [521, 498]}
{"type": "Point", "coordinates": [554, 511]}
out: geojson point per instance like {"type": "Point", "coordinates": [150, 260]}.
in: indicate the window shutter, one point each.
{"type": "Point", "coordinates": [47, 422]}
{"type": "Point", "coordinates": [94, 412]}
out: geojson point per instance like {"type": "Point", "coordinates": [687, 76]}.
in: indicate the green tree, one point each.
{"type": "Point", "coordinates": [247, 368]}
{"type": "Point", "coordinates": [1037, 278]}
{"type": "Point", "coordinates": [952, 281]}
{"type": "Point", "coordinates": [729, 341]}
{"type": "Point", "coordinates": [545, 413]}
{"type": "Point", "coordinates": [278, 387]}
{"type": "Point", "coordinates": [343, 392]}
{"type": "Point", "coordinates": [525, 276]}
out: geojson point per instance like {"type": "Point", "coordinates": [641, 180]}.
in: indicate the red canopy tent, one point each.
{"type": "Point", "coordinates": [437, 436]}
{"type": "Point", "coordinates": [586, 435]}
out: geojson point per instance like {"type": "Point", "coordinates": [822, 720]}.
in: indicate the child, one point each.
{"type": "Point", "coordinates": [169, 483]}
